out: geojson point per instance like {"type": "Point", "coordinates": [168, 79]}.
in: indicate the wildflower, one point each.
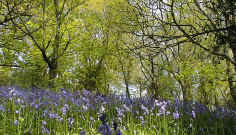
{"type": "Point", "coordinates": [36, 106]}
{"type": "Point", "coordinates": [19, 101]}
{"type": "Point", "coordinates": [65, 109]}
{"type": "Point", "coordinates": [86, 93]}
{"type": "Point", "coordinates": [157, 103]}
{"type": "Point", "coordinates": [85, 107]}
{"type": "Point", "coordinates": [144, 108]}
{"type": "Point", "coordinates": [177, 104]}
{"type": "Point", "coordinates": [190, 125]}
{"type": "Point", "coordinates": [116, 130]}
{"type": "Point", "coordinates": [103, 118]}
{"type": "Point", "coordinates": [193, 114]}
{"type": "Point", "coordinates": [176, 115]}
{"type": "Point", "coordinates": [126, 108]}
{"type": "Point", "coordinates": [12, 92]}
{"type": "Point", "coordinates": [162, 110]}
{"type": "Point", "coordinates": [16, 122]}
{"type": "Point", "coordinates": [82, 132]}
{"type": "Point", "coordinates": [60, 119]}
{"type": "Point", "coordinates": [45, 112]}
{"type": "Point", "coordinates": [45, 130]}
{"type": "Point", "coordinates": [142, 120]}
{"type": "Point", "coordinates": [104, 129]}
{"type": "Point", "coordinates": [168, 112]}
{"type": "Point", "coordinates": [53, 115]}
{"type": "Point", "coordinates": [119, 112]}
{"type": "Point", "coordinates": [44, 122]}
{"type": "Point", "coordinates": [17, 112]}
{"type": "Point", "coordinates": [71, 120]}
{"type": "Point", "coordinates": [2, 108]}
{"type": "Point", "coordinates": [102, 110]}
{"type": "Point", "coordinates": [91, 118]}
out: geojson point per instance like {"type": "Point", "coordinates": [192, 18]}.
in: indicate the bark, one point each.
{"type": "Point", "coordinates": [186, 91]}
{"type": "Point", "coordinates": [53, 65]}
{"type": "Point", "coordinates": [153, 87]}
{"type": "Point", "coordinates": [231, 22]}
{"type": "Point", "coordinates": [52, 73]}
{"type": "Point", "coordinates": [231, 69]}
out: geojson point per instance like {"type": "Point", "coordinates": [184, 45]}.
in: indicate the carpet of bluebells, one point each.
{"type": "Point", "coordinates": [37, 112]}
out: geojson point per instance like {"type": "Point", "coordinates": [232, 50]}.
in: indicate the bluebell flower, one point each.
{"type": "Point", "coordinates": [44, 122]}
{"type": "Point", "coordinates": [176, 115]}
{"type": "Point", "coordinates": [64, 109]}
{"type": "Point", "coordinates": [17, 112]}
{"type": "Point", "coordinates": [45, 130]}
{"type": "Point", "coordinates": [16, 122]}
{"type": "Point", "coordinates": [71, 120]}
{"type": "Point", "coordinates": [193, 114]}
{"type": "Point", "coordinates": [142, 120]}
{"type": "Point", "coordinates": [104, 129]}
{"type": "Point", "coordinates": [82, 132]}
{"type": "Point", "coordinates": [2, 108]}
{"type": "Point", "coordinates": [116, 130]}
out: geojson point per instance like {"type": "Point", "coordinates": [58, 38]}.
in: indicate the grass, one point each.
{"type": "Point", "coordinates": [70, 113]}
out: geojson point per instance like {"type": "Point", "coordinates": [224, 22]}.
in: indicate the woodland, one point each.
{"type": "Point", "coordinates": [123, 52]}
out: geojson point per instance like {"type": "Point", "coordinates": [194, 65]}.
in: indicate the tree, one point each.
{"type": "Point", "coordinates": [209, 25]}
{"type": "Point", "coordinates": [11, 10]}
{"type": "Point", "coordinates": [50, 31]}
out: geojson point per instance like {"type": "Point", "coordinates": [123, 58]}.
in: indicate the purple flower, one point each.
{"type": "Point", "coordinates": [142, 120]}
{"type": "Point", "coordinates": [118, 132]}
{"type": "Point", "coordinates": [85, 107]}
{"type": "Point", "coordinates": [71, 121]}
{"type": "Point", "coordinates": [16, 122]}
{"type": "Point", "coordinates": [45, 130]}
{"type": "Point", "coordinates": [2, 108]}
{"type": "Point", "coordinates": [176, 115]}
{"type": "Point", "coordinates": [45, 112]}
{"type": "Point", "coordinates": [162, 110]}
{"type": "Point", "coordinates": [65, 109]}
{"type": "Point", "coordinates": [144, 108]}
{"type": "Point", "coordinates": [12, 92]}
{"type": "Point", "coordinates": [44, 122]}
{"type": "Point", "coordinates": [53, 115]}
{"type": "Point", "coordinates": [82, 132]}
{"type": "Point", "coordinates": [104, 129]}
{"type": "Point", "coordinates": [17, 112]}
{"type": "Point", "coordinates": [193, 114]}
{"type": "Point", "coordinates": [126, 108]}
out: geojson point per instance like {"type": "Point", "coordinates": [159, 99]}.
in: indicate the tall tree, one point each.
{"type": "Point", "coordinates": [52, 20]}
{"type": "Point", "coordinates": [11, 10]}
{"type": "Point", "coordinates": [209, 25]}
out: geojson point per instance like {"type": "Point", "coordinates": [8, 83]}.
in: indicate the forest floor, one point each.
{"type": "Point", "coordinates": [47, 112]}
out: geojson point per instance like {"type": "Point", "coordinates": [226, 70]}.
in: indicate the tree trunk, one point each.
{"type": "Point", "coordinates": [232, 79]}
{"type": "Point", "coordinates": [154, 87]}
{"type": "Point", "coordinates": [231, 22]}
{"type": "Point", "coordinates": [186, 91]}
{"type": "Point", "coordinates": [52, 73]}
{"type": "Point", "coordinates": [127, 88]}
